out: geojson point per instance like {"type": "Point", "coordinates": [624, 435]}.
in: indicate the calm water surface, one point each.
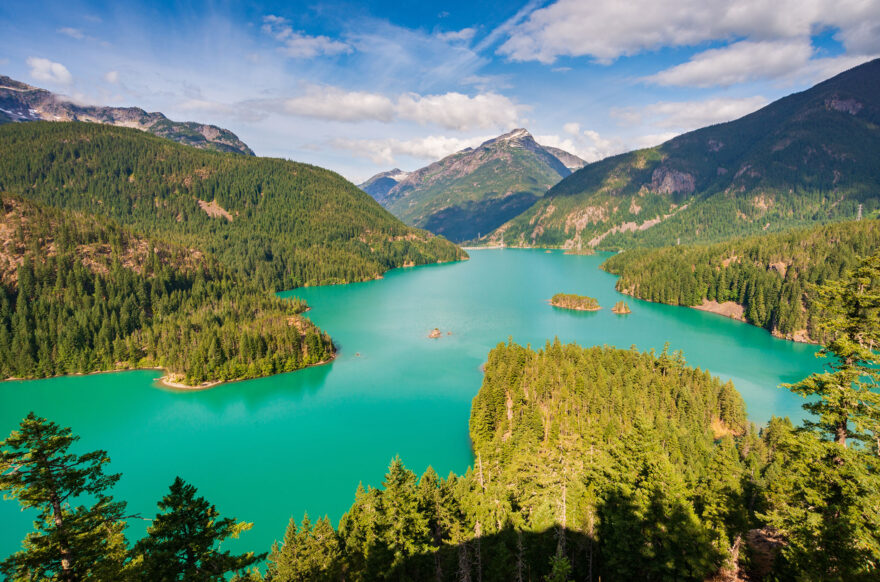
{"type": "Point", "coordinates": [264, 450]}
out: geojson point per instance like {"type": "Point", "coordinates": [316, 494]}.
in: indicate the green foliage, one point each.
{"type": "Point", "coordinates": [183, 541]}
{"type": "Point", "coordinates": [291, 224]}
{"type": "Point", "coordinates": [805, 159]}
{"type": "Point", "coordinates": [307, 554]}
{"type": "Point", "coordinates": [770, 276]}
{"type": "Point", "coordinates": [69, 543]}
{"type": "Point", "coordinates": [88, 295]}
{"type": "Point", "coordinates": [572, 301]}
{"type": "Point", "coordinates": [825, 502]}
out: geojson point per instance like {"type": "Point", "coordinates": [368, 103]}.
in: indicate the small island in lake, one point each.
{"type": "Point", "coordinates": [577, 302]}
{"type": "Point", "coordinates": [435, 333]}
{"type": "Point", "coordinates": [621, 308]}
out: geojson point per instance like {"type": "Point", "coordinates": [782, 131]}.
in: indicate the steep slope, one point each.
{"type": "Point", "coordinates": [571, 161]}
{"type": "Point", "coordinates": [809, 157]}
{"type": "Point", "coordinates": [278, 223]}
{"type": "Point", "coordinates": [475, 190]}
{"type": "Point", "coordinates": [381, 184]}
{"type": "Point", "coordinates": [21, 102]}
{"type": "Point", "coordinates": [764, 280]}
{"type": "Point", "coordinates": [80, 294]}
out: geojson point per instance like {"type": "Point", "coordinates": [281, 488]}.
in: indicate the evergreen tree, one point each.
{"type": "Point", "coordinates": [848, 404]}
{"type": "Point", "coordinates": [183, 542]}
{"type": "Point", "coordinates": [69, 543]}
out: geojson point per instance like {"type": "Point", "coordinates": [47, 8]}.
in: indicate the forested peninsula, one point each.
{"type": "Point", "coordinates": [770, 278]}
{"type": "Point", "coordinates": [87, 286]}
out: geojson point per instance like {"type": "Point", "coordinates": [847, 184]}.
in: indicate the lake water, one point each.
{"type": "Point", "coordinates": [266, 449]}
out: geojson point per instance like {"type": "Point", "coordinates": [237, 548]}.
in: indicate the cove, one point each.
{"type": "Point", "coordinates": [265, 450]}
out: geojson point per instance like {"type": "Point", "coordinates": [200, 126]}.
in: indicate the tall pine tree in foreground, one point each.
{"type": "Point", "coordinates": [68, 543]}
{"type": "Point", "coordinates": [822, 495]}
{"type": "Point", "coordinates": [183, 542]}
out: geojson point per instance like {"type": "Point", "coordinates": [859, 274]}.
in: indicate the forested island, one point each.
{"type": "Point", "coordinates": [621, 308]}
{"type": "Point", "coordinates": [769, 276]}
{"type": "Point", "coordinates": [575, 302]}
{"type": "Point", "coordinates": [589, 463]}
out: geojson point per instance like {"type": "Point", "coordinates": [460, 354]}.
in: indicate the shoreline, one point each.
{"type": "Point", "coordinates": [165, 380]}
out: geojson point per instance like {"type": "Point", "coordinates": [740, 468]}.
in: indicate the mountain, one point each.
{"type": "Point", "coordinates": [21, 102]}
{"type": "Point", "coordinates": [280, 224]}
{"type": "Point", "coordinates": [571, 161]}
{"type": "Point", "coordinates": [475, 190]}
{"type": "Point", "coordinates": [808, 158]}
{"type": "Point", "coordinates": [381, 184]}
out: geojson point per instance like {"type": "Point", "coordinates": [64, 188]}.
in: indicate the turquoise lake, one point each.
{"type": "Point", "coordinates": [265, 450]}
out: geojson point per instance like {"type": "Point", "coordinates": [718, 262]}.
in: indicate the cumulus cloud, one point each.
{"type": "Point", "coordinates": [449, 110]}
{"type": "Point", "coordinates": [463, 35]}
{"type": "Point", "coordinates": [297, 45]}
{"type": "Point", "coordinates": [336, 104]}
{"type": "Point", "coordinates": [385, 151]}
{"type": "Point", "coordinates": [112, 77]}
{"type": "Point", "coordinates": [687, 115]}
{"type": "Point", "coordinates": [458, 111]}
{"type": "Point", "coordinates": [49, 71]}
{"type": "Point", "coordinates": [608, 29]}
{"type": "Point", "coordinates": [587, 145]}
{"type": "Point", "coordinates": [738, 63]}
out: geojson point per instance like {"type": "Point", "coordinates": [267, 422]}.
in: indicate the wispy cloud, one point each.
{"type": "Point", "coordinates": [687, 115]}
{"type": "Point", "coordinates": [387, 151]}
{"type": "Point", "coordinates": [297, 45]}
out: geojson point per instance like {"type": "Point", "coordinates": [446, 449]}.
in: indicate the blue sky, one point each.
{"type": "Point", "coordinates": [361, 87]}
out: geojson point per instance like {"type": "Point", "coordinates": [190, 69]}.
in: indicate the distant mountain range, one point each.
{"type": "Point", "coordinates": [473, 191]}
{"type": "Point", "coordinates": [21, 102]}
{"type": "Point", "coordinates": [811, 157]}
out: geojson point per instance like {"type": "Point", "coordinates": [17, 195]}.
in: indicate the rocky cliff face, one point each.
{"type": "Point", "coordinates": [471, 192]}
{"type": "Point", "coordinates": [20, 102]}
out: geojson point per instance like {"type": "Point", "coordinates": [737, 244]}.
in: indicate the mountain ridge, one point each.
{"type": "Point", "coordinates": [804, 159]}
{"type": "Point", "coordinates": [20, 102]}
{"type": "Point", "coordinates": [472, 191]}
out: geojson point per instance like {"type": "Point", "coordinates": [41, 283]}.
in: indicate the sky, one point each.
{"type": "Point", "coordinates": [364, 87]}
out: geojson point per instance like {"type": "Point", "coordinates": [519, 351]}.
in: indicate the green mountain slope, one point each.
{"type": "Point", "coordinates": [810, 157]}
{"type": "Point", "coordinates": [768, 276]}
{"type": "Point", "coordinates": [80, 294]}
{"type": "Point", "coordinates": [280, 224]}
{"type": "Point", "coordinates": [21, 102]}
{"type": "Point", "coordinates": [475, 190]}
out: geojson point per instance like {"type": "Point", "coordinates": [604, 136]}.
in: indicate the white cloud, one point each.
{"type": "Point", "coordinates": [463, 35]}
{"type": "Point", "coordinates": [460, 112]}
{"type": "Point", "coordinates": [72, 32]}
{"type": "Point", "coordinates": [587, 145]}
{"type": "Point", "coordinates": [687, 115]}
{"type": "Point", "coordinates": [337, 104]}
{"type": "Point", "coordinates": [738, 63]}
{"type": "Point", "coordinates": [572, 128]}
{"type": "Point", "coordinates": [385, 151]}
{"type": "Point", "coordinates": [49, 71]}
{"type": "Point", "coordinates": [298, 45]}
{"type": "Point", "coordinates": [608, 29]}
{"type": "Point", "coordinates": [449, 110]}
{"type": "Point", "coordinates": [112, 77]}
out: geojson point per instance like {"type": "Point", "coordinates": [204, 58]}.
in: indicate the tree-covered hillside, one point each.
{"type": "Point", "coordinates": [770, 276]}
{"type": "Point", "coordinates": [279, 223]}
{"type": "Point", "coordinates": [79, 294]}
{"type": "Point", "coordinates": [807, 158]}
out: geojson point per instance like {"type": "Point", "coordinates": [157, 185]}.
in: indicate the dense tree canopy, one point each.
{"type": "Point", "coordinates": [770, 276]}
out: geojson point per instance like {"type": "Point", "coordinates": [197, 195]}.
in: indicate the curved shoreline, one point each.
{"type": "Point", "coordinates": [165, 380]}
